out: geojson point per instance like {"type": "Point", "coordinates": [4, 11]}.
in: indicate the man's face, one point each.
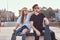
{"type": "Point", "coordinates": [37, 9]}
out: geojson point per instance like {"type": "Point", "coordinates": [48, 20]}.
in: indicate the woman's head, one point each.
{"type": "Point", "coordinates": [23, 14]}
{"type": "Point", "coordinates": [24, 11]}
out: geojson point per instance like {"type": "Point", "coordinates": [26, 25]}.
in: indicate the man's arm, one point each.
{"type": "Point", "coordinates": [46, 21]}
{"type": "Point", "coordinates": [31, 24]}
{"type": "Point", "coordinates": [37, 32]}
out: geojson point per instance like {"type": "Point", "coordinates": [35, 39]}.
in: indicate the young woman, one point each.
{"type": "Point", "coordinates": [22, 26]}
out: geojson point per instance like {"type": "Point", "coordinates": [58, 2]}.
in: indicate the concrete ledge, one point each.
{"type": "Point", "coordinates": [29, 38]}
{"type": "Point", "coordinates": [55, 24]}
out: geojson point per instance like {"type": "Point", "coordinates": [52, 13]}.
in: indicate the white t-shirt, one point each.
{"type": "Point", "coordinates": [26, 21]}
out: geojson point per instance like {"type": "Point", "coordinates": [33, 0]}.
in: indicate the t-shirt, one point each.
{"type": "Point", "coordinates": [26, 21]}
{"type": "Point", "coordinates": [37, 21]}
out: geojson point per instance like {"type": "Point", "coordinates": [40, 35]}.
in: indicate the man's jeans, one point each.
{"type": "Point", "coordinates": [51, 33]}
{"type": "Point", "coordinates": [18, 32]}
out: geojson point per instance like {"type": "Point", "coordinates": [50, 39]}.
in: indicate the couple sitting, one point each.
{"type": "Point", "coordinates": [28, 20]}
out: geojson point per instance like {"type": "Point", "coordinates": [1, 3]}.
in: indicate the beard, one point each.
{"type": "Point", "coordinates": [37, 11]}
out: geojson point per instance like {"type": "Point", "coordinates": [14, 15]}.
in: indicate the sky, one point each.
{"type": "Point", "coordinates": [16, 5]}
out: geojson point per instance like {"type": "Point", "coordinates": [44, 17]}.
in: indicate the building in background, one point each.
{"type": "Point", "coordinates": [6, 16]}
{"type": "Point", "coordinates": [57, 14]}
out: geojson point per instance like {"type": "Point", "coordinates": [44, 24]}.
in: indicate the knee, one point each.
{"type": "Point", "coordinates": [25, 31]}
{"type": "Point", "coordinates": [52, 32]}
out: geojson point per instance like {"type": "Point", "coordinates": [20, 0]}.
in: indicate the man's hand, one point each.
{"type": "Point", "coordinates": [46, 21]}
{"type": "Point", "coordinates": [38, 33]}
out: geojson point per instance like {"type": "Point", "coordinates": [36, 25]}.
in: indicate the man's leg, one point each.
{"type": "Point", "coordinates": [52, 35]}
{"type": "Point", "coordinates": [47, 35]}
{"type": "Point", "coordinates": [36, 37]}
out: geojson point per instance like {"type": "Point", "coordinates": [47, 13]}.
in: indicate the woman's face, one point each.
{"type": "Point", "coordinates": [25, 11]}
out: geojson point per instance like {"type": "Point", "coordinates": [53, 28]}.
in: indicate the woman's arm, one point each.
{"type": "Point", "coordinates": [17, 23]}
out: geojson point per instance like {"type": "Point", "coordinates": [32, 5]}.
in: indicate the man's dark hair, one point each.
{"type": "Point", "coordinates": [34, 6]}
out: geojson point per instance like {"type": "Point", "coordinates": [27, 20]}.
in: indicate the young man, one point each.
{"type": "Point", "coordinates": [36, 21]}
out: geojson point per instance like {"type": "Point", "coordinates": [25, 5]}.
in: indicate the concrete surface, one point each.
{"type": "Point", "coordinates": [6, 33]}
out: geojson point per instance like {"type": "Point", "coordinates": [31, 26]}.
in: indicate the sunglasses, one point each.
{"type": "Point", "coordinates": [36, 7]}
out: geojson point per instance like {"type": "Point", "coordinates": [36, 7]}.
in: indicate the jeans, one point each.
{"type": "Point", "coordinates": [18, 32]}
{"type": "Point", "coordinates": [37, 37]}
{"type": "Point", "coordinates": [42, 33]}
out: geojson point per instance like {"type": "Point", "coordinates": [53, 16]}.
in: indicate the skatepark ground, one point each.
{"type": "Point", "coordinates": [6, 33]}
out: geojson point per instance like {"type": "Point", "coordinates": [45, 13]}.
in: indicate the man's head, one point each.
{"type": "Point", "coordinates": [36, 8]}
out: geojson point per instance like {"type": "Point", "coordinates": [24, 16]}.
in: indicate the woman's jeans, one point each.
{"type": "Point", "coordinates": [18, 32]}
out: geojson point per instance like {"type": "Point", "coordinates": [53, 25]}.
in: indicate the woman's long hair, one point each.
{"type": "Point", "coordinates": [23, 15]}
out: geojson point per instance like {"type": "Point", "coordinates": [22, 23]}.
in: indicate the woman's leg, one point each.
{"type": "Point", "coordinates": [23, 29]}
{"type": "Point", "coordinates": [24, 33]}
{"type": "Point", "coordinates": [15, 33]}
{"type": "Point", "coordinates": [14, 36]}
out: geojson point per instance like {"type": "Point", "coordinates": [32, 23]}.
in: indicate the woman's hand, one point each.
{"type": "Point", "coordinates": [14, 29]}
{"type": "Point", "coordinates": [17, 25]}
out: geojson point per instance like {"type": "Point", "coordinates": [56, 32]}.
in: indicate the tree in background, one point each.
{"type": "Point", "coordinates": [48, 12]}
